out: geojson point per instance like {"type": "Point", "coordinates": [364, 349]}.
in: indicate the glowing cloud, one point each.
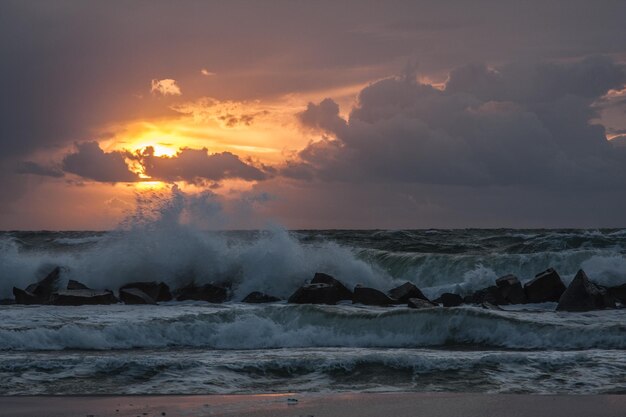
{"type": "Point", "coordinates": [165, 87]}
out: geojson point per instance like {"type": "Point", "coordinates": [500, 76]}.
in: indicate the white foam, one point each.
{"type": "Point", "coordinates": [236, 326]}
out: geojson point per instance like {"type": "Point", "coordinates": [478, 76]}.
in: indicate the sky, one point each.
{"type": "Point", "coordinates": [326, 114]}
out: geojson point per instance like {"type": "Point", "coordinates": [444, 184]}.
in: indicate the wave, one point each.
{"type": "Point", "coordinates": [236, 326]}
{"type": "Point", "coordinates": [201, 372]}
{"type": "Point", "coordinates": [161, 241]}
{"type": "Point", "coordinates": [463, 273]}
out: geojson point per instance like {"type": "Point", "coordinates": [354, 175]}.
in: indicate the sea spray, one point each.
{"type": "Point", "coordinates": [166, 239]}
{"type": "Point", "coordinates": [160, 241]}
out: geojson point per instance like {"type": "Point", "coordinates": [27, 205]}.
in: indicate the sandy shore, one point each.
{"type": "Point", "coordinates": [318, 405]}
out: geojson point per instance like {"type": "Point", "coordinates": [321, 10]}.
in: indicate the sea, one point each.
{"type": "Point", "coordinates": [204, 348]}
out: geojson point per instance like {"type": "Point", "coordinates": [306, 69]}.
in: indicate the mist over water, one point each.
{"type": "Point", "coordinates": [197, 347]}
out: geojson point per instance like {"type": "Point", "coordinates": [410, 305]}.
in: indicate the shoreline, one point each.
{"type": "Point", "coordinates": [403, 404]}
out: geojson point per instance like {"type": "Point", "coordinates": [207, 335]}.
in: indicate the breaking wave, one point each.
{"type": "Point", "coordinates": [163, 241]}
{"type": "Point", "coordinates": [238, 326]}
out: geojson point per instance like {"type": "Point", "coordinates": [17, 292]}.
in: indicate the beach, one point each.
{"type": "Point", "coordinates": [318, 405]}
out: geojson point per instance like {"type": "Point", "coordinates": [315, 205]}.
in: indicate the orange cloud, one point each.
{"type": "Point", "coordinates": [165, 87]}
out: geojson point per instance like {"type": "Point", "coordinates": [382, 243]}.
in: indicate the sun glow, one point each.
{"type": "Point", "coordinates": [159, 149]}
{"type": "Point", "coordinates": [150, 185]}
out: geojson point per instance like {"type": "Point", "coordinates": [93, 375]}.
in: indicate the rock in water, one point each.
{"type": "Point", "coordinates": [371, 297]}
{"type": "Point", "coordinates": [39, 292]}
{"type": "Point", "coordinates": [406, 291]}
{"type": "Point", "coordinates": [25, 297]}
{"type": "Point", "coordinates": [618, 293]}
{"type": "Point", "coordinates": [207, 292]}
{"type": "Point", "coordinates": [135, 296]}
{"type": "Point", "coordinates": [449, 300]}
{"type": "Point", "coordinates": [322, 278]}
{"type": "Point", "coordinates": [158, 291]}
{"type": "Point", "coordinates": [257, 297]}
{"type": "Point", "coordinates": [317, 294]}
{"type": "Point", "coordinates": [511, 289]}
{"type": "Point", "coordinates": [492, 295]}
{"type": "Point", "coordinates": [488, 306]}
{"type": "Point", "coordinates": [420, 303]}
{"type": "Point", "coordinates": [584, 295]}
{"type": "Point", "coordinates": [82, 297]}
{"type": "Point", "coordinates": [546, 286]}
{"type": "Point", "coordinates": [75, 285]}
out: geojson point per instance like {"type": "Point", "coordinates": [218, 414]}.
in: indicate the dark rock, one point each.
{"type": "Point", "coordinates": [618, 293]}
{"type": "Point", "coordinates": [491, 295]}
{"type": "Point", "coordinates": [7, 301]}
{"type": "Point", "coordinates": [158, 291]}
{"type": "Point", "coordinates": [316, 294]}
{"type": "Point", "coordinates": [135, 296]}
{"type": "Point", "coordinates": [26, 297]}
{"type": "Point", "coordinates": [584, 295]}
{"type": "Point", "coordinates": [420, 303]}
{"type": "Point", "coordinates": [207, 292]}
{"type": "Point", "coordinates": [41, 291]}
{"type": "Point", "coordinates": [257, 297]}
{"type": "Point", "coordinates": [449, 300]}
{"type": "Point", "coordinates": [406, 291]}
{"type": "Point", "coordinates": [511, 289]}
{"type": "Point", "coordinates": [489, 306]}
{"type": "Point", "coordinates": [75, 285]}
{"type": "Point", "coordinates": [82, 297]}
{"type": "Point", "coordinates": [322, 278]}
{"type": "Point", "coordinates": [546, 286]}
{"type": "Point", "coordinates": [371, 297]}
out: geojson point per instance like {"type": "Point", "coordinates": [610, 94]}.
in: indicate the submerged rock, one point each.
{"type": "Point", "coordinates": [257, 297]}
{"type": "Point", "coordinates": [448, 299]}
{"type": "Point", "coordinates": [371, 297]}
{"type": "Point", "coordinates": [420, 303]}
{"type": "Point", "coordinates": [82, 297]}
{"type": "Point", "coordinates": [489, 306]}
{"type": "Point", "coordinates": [406, 291]}
{"type": "Point", "coordinates": [317, 294]}
{"type": "Point", "coordinates": [135, 296]}
{"type": "Point", "coordinates": [584, 295]}
{"type": "Point", "coordinates": [511, 289]}
{"type": "Point", "coordinates": [546, 286]}
{"type": "Point", "coordinates": [207, 292]}
{"type": "Point", "coordinates": [322, 278]}
{"type": "Point", "coordinates": [158, 291]}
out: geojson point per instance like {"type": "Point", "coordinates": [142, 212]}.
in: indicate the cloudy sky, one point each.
{"type": "Point", "coordinates": [326, 114]}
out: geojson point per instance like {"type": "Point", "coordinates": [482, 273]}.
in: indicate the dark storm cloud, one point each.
{"type": "Point", "coordinates": [518, 124]}
{"type": "Point", "coordinates": [324, 116]}
{"type": "Point", "coordinates": [91, 162]}
{"type": "Point", "coordinates": [29, 167]}
{"type": "Point", "coordinates": [190, 165]}
{"type": "Point", "coordinates": [70, 65]}
{"type": "Point", "coordinates": [197, 165]}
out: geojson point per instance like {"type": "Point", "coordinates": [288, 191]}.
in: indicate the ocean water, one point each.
{"type": "Point", "coordinates": [197, 347]}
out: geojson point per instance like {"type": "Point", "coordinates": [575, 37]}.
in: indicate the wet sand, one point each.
{"type": "Point", "coordinates": [318, 405]}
